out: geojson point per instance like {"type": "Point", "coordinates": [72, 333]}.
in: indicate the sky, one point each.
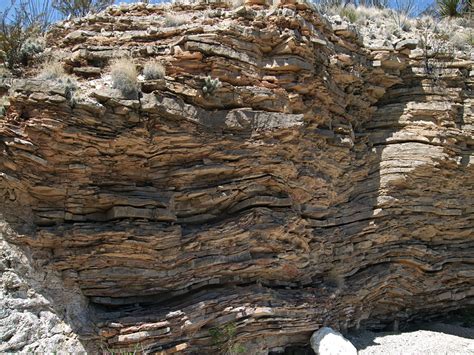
{"type": "Point", "coordinates": [420, 4]}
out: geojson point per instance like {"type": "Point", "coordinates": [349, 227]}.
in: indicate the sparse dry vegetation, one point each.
{"type": "Point", "coordinates": [384, 26]}
{"type": "Point", "coordinates": [78, 8]}
{"type": "Point", "coordinates": [124, 77]}
{"type": "Point", "coordinates": [4, 104]}
{"type": "Point", "coordinates": [52, 70]}
{"type": "Point", "coordinates": [21, 26]}
{"type": "Point", "coordinates": [153, 70]}
{"type": "Point", "coordinates": [175, 20]}
{"type": "Point", "coordinates": [233, 4]}
{"type": "Point", "coordinates": [4, 72]}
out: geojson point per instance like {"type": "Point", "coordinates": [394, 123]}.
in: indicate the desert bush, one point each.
{"type": "Point", "coordinates": [30, 48]}
{"type": "Point", "coordinates": [436, 47]}
{"type": "Point", "coordinates": [449, 8]}
{"type": "Point", "coordinates": [461, 40]}
{"type": "Point", "coordinates": [124, 77]}
{"type": "Point", "coordinates": [4, 72]}
{"type": "Point", "coordinates": [349, 12]}
{"type": "Point", "coordinates": [79, 8]}
{"type": "Point", "coordinates": [153, 70]}
{"type": "Point", "coordinates": [210, 85]}
{"type": "Point", "coordinates": [330, 5]}
{"type": "Point", "coordinates": [470, 39]}
{"type": "Point", "coordinates": [371, 13]}
{"type": "Point", "coordinates": [401, 13]}
{"type": "Point", "coordinates": [21, 26]}
{"type": "Point", "coordinates": [327, 5]}
{"type": "Point", "coordinates": [4, 104]}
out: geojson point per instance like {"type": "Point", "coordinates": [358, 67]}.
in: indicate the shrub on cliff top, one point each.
{"type": "Point", "coordinates": [124, 77]}
{"type": "Point", "coordinates": [79, 8]}
{"type": "Point", "coordinates": [21, 26]}
{"type": "Point", "coordinates": [30, 48]}
{"type": "Point", "coordinates": [349, 12]}
{"type": "Point", "coordinates": [449, 8]}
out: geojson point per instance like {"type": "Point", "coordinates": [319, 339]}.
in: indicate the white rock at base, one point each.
{"type": "Point", "coordinates": [327, 341]}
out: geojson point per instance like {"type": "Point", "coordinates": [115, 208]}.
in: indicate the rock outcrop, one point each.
{"type": "Point", "coordinates": [327, 341]}
{"type": "Point", "coordinates": [324, 183]}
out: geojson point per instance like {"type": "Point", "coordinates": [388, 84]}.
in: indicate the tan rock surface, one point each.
{"type": "Point", "coordinates": [322, 184]}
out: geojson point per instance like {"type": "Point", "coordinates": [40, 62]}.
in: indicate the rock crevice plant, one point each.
{"type": "Point", "coordinates": [124, 77]}
{"type": "Point", "coordinates": [54, 71]}
{"type": "Point", "coordinates": [210, 85]}
{"type": "Point", "coordinates": [153, 70]}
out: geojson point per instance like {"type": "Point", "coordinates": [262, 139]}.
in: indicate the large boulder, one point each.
{"type": "Point", "coordinates": [327, 341]}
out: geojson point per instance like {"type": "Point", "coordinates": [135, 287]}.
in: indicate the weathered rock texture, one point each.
{"type": "Point", "coordinates": [322, 184]}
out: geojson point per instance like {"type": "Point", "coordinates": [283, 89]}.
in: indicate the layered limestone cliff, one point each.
{"type": "Point", "coordinates": [324, 183]}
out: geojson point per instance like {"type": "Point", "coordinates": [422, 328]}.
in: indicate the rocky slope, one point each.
{"type": "Point", "coordinates": [324, 183]}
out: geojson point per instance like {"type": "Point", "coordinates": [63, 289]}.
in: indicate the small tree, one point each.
{"type": "Point", "coordinates": [436, 48]}
{"type": "Point", "coordinates": [79, 8]}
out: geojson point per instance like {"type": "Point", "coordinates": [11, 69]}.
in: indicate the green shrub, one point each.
{"type": "Point", "coordinates": [21, 26]}
{"type": "Point", "coordinates": [153, 70]}
{"type": "Point", "coordinates": [124, 77]}
{"type": "Point", "coordinates": [31, 47]}
{"type": "Point", "coordinates": [210, 85]}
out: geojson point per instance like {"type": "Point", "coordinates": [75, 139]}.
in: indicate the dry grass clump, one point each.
{"type": "Point", "coordinates": [349, 12]}
{"type": "Point", "coordinates": [4, 72]}
{"type": "Point", "coordinates": [373, 14]}
{"type": "Point", "coordinates": [233, 4]}
{"type": "Point", "coordinates": [124, 77]}
{"type": "Point", "coordinates": [52, 70]}
{"type": "Point", "coordinates": [154, 70]}
{"type": "Point", "coordinates": [175, 20]}
{"type": "Point", "coordinates": [4, 104]}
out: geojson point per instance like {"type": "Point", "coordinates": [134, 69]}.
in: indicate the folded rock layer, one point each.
{"type": "Point", "coordinates": [323, 183]}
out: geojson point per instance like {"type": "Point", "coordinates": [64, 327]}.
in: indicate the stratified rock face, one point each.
{"type": "Point", "coordinates": [322, 184]}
